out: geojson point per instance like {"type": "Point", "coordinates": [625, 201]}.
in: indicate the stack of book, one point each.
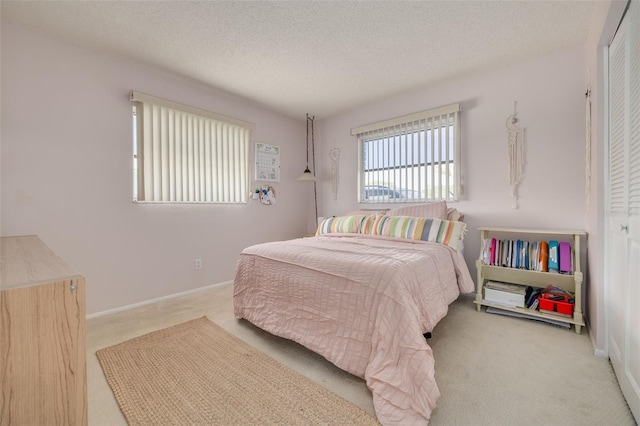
{"type": "Point", "coordinates": [506, 294]}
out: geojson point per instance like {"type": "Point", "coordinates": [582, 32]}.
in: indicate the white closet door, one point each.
{"type": "Point", "coordinates": [617, 258]}
{"type": "Point", "coordinates": [633, 242]}
{"type": "Point", "coordinates": [623, 251]}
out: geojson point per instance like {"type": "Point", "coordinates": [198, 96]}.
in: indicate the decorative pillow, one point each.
{"type": "Point", "coordinates": [421, 228]}
{"type": "Point", "coordinates": [343, 224]}
{"type": "Point", "coordinates": [455, 215]}
{"type": "Point", "coordinates": [398, 226]}
{"type": "Point", "coordinates": [368, 225]}
{"type": "Point", "coordinates": [437, 210]}
{"type": "Point", "coordinates": [446, 232]}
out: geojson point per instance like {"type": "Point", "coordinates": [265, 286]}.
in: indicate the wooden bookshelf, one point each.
{"type": "Point", "coordinates": [570, 282]}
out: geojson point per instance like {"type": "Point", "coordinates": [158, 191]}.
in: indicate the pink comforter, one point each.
{"type": "Point", "coordinates": [363, 303]}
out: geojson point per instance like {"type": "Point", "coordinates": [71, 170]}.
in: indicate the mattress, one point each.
{"type": "Point", "coordinates": [363, 302]}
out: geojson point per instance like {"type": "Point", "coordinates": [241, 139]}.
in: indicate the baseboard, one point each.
{"type": "Point", "coordinates": [157, 299]}
{"type": "Point", "coordinates": [598, 352]}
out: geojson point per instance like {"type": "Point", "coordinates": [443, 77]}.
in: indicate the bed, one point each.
{"type": "Point", "coordinates": [363, 300]}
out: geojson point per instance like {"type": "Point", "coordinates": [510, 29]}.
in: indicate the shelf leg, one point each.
{"type": "Point", "coordinates": [577, 315]}
{"type": "Point", "coordinates": [479, 284]}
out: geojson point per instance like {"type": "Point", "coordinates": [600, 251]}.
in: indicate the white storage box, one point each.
{"type": "Point", "coordinates": [505, 298]}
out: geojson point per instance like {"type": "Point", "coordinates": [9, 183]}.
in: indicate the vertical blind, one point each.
{"type": "Point", "coordinates": [183, 154]}
{"type": "Point", "coordinates": [411, 158]}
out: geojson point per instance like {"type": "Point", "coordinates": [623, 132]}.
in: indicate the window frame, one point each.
{"type": "Point", "coordinates": [396, 128]}
{"type": "Point", "coordinates": [210, 151]}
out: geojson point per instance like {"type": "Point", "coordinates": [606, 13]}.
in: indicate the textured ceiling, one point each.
{"type": "Point", "coordinates": [322, 57]}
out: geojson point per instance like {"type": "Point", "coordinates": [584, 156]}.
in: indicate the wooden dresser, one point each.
{"type": "Point", "coordinates": [43, 374]}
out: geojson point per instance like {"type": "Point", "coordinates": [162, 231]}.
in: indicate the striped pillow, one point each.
{"type": "Point", "coordinates": [368, 223]}
{"type": "Point", "coordinates": [398, 226]}
{"type": "Point", "coordinates": [343, 224]}
{"type": "Point", "coordinates": [421, 228]}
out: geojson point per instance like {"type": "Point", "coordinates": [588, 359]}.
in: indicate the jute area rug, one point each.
{"type": "Point", "coordinates": [198, 373]}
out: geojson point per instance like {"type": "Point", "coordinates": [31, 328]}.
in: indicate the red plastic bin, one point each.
{"type": "Point", "coordinates": [556, 302]}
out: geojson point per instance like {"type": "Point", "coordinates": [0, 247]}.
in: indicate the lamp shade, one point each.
{"type": "Point", "coordinates": [308, 176]}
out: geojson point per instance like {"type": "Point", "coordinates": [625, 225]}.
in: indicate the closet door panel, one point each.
{"type": "Point", "coordinates": [632, 355]}
{"type": "Point", "coordinates": [623, 209]}
{"type": "Point", "coordinates": [617, 200]}
{"type": "Point", "coordinates": [617, 298]}
{"type": "Point", "coordinates": [633, 346]}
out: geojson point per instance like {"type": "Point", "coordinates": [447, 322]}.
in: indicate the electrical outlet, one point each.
{"type": "Point", "coordinates": [198, 263]}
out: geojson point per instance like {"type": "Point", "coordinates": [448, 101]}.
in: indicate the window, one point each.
{"type": "Point", "coordinates": [186, 155]}
{"type": "Point", "coordinates": [410, 159]}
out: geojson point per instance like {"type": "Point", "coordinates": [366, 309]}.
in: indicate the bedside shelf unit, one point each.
{"type": "Point", "coordinates": [569, 282]}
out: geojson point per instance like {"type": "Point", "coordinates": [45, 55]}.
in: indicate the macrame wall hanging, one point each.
{"type": "Point", "coordinates": [334, 155]}
{"type": "Point", "coordinates": [515, 155]}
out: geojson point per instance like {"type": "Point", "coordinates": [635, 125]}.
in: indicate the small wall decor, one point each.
{"type": "Point", "coordinates": [515, 155]}
{"type": "Point", "coordinates": [268, 195]}
{"type": "Point", "coordinates": [334, 155]}
{"type": "Point", "coordinates": [267, 162]}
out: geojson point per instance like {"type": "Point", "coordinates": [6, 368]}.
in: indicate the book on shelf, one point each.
{"type": "Point", "coordinates": [493, 251]}
{"type": "Point", "coordinates": [544, 256]}
{"type": "Point", "coordinates": [535, 255]}
{"type": "Point", "coordinates": [532, 299]}
{"type": "Point", "coordinates": [553, 256]}
{"type": "Point", "coordinates": [547, 320]}
{"type": "Point", "coordinates": [487, 254]}
{"type": "Point", "coordinates": [522, 254]}
{"type": "Point", "coordinates": [543, 264]}
{"type": "Point", "coordinates": [508, 287]}
{"type": "Point", "coordinates": [558, 314]}
{"type": "Point", "coordinates": [507, 258]}
{"type": "Point", "coordinates": [565, 257]}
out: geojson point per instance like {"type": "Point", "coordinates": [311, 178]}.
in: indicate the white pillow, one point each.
{"type": "Point", "coordinates": [435, 210]}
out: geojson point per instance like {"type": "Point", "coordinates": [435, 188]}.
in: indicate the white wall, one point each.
{"type": "Point", "coordinates": [550, 95]}
{"type": "Point", "coordinates": [66, 163]}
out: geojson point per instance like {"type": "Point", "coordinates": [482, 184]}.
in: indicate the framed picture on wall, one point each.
{"type": "Point", "coordinates": [267, 162]}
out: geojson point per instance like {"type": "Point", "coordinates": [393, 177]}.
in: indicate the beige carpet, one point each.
{"type": "Point", "coordinates": [197, 373]}
{"type": "Point", "coordinates": [491, 370]}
